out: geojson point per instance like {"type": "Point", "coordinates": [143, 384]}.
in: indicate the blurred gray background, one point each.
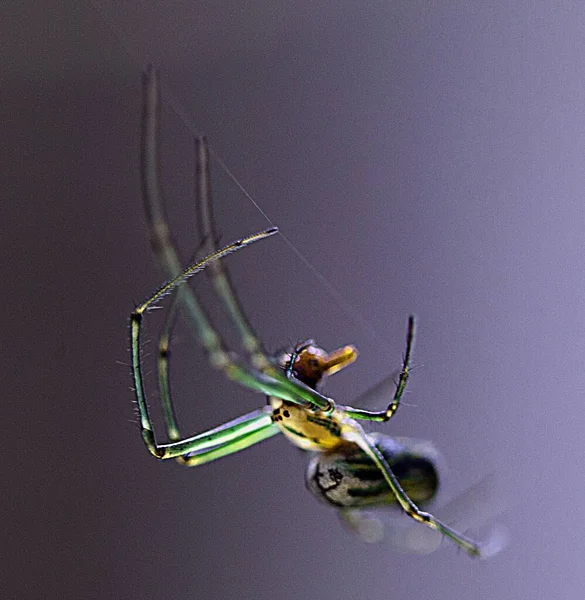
{"type": "Point", "coordinates": [425, 157]}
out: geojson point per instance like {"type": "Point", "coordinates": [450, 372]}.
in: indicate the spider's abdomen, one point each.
{"type": "Point", "coordinates": [346, 477]}
{"type": "Point", "coordinates": [306, 428]}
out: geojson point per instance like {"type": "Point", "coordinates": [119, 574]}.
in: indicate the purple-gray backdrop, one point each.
{"type": "Point", "coordinates": [426, 157]}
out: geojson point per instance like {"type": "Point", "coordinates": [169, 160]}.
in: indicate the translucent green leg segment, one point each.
{"type": "Point", "coordinates": [385, 415]}
{"type": "Point", "coordinates": [164, 386]}
{"type": "Point", "coordinates": [213, 444]}
{"type": "Point", "coordinates": [263, 428]}
{"type": "Point", "coordinates": [238, 373]}
{"type": "Point", "coordinates": [359, 437]}
{"type": "Point", "coordinates": [208, 232]}
{"type": "Point", "coordinates": [160, 238]}
{"type": "Point", "coordinates": [221, 441]}
{"type": "Point", "coordinates": [223, 286]}
{"type": "Point", "coordinates": [266, 377]}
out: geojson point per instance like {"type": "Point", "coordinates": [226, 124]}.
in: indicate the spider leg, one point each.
{"type": "Point", "coordinates": [213, 444]}
{"type": "Point", "coordinates": [265, 376]}
{"type": "Point", "coordinates": [354, 433]}
{"type": "Point", "coordinates": [260, 429]}
{"type": "Point", "coordinates": [258, 381]}
{"type": "Point", "coordinates": [160, 237]}
{"type": "Point", "coordinates": [385, 415]}
{"type": "Point", "coordinates": [229, 438]}
{"type": "Point", "coordinates": [226, 439]}
{"type": "Point", "coordinates": [164, 385]}
{"type": "Point", "coordinates": [220, 277]}
{"type": "Point", "coordinates": [218, 272]}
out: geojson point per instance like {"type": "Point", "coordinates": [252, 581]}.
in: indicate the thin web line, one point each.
{"type": "Point", "coordinates": [350, 310]}
{"type": "Point", "coordinates": [343, 303]}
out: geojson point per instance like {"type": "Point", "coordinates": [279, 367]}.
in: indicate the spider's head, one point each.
{"type": "Point", "coordinates": [310, 364]}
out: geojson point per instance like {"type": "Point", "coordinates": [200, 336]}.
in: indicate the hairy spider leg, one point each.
{"type": "Point", "coordinates": [166, 251]}
{"type": "Point", "coordinates": [268, 380]}
{"type": "Point", "coordinates": [168, 257]}
{"type": "Point", "coordinates": [249, 428]}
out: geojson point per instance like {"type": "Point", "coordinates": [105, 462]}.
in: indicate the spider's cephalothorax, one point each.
{"type": "Point", "coordinates": [297, 407]}
{"type": "Point", "coordinates": [309, 428]}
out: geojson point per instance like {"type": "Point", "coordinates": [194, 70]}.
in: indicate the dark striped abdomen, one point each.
{"type": "Point", "coordinates": [347, 477]}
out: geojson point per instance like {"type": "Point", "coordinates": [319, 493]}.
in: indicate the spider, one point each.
{"type": "Point", "coordinates": [291, 381]}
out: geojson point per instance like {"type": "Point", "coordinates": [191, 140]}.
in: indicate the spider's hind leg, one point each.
{"type": "Point", "coordinates": [356, 435]}
{"type": "Point", "coordinates": [295, 390]}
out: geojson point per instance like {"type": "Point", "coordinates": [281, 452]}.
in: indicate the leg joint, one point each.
{"type": "Point", "coordinates": [148, 437]}
{"type": "Point", "coordinates": [419, 516]}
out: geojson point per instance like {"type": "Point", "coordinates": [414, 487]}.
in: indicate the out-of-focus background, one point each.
{"type": "Point", "coordinates": [425, 157]}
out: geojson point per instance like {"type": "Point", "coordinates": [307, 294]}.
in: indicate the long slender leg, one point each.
{"type": "Point", "coordinates": [164, 385]}
{"type": "Point", "coordinates": [160, 237]}
{"type": "Point", "coordinates": [357, 435]}
{"type": "Point", "coordinates": [241, 442]}
{"type": "Point", "coordinates": [254, 380]}
{"type": "Point", "coordinates": [208, 232]}
{"type": "Point", "coordinates": [211, 445]}
{"type": "Point", "coordinates": [261, 421]}
{"type": "Point", "coordinates": [266, 376]}
{"type": "Point", "coordinates": [385, 415]}
{"type": "Point", "coordinates": [220, 273]}
{"type": "Point", "coordinates": [226, 439]}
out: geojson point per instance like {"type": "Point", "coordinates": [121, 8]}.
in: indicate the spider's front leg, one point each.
{"type": "Point", "coordinates": [233, 436]}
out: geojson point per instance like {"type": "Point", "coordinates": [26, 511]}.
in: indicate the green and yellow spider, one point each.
{"type": "Point", "coordinates": [350, 468]}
